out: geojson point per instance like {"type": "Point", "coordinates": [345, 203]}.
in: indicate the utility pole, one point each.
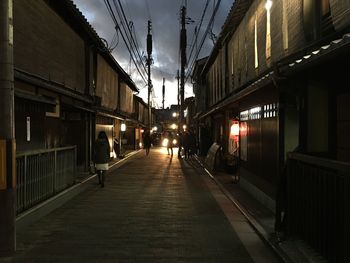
{"type": "Point", "coordinates": [7, 133]}
{"type": "Point", "coordinates": [178, 100]}
{"type": "Point", "coordinates": [163, 92]}
{"type": "Point", "coordinates": [178, 87]}
{"type": "Point", "coordinates": [183, 44]}
{"type": "Point", "coordinates": [149, 62]}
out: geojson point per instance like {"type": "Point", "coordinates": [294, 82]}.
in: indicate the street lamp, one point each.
{"type": "Point", "coordinates": [174, 114]}
{"type": "Point", "coordinates": [123, 127]}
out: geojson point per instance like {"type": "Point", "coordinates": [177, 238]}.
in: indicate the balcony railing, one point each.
{"type": "Point", "coordinates": [318, 204]}
{"type": "Point", "coordinates": [43, 173]}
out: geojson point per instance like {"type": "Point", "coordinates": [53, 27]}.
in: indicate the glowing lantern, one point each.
{"type": "Point", "coordinates": [234, 130]}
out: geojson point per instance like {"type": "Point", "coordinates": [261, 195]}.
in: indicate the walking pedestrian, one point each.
{"type": "Point", "coordinates": [180, 145]}
{"type": "Point", "coordinates": [147, 141]}
{"type": "Point", "coordinates": [170, 138]}
{"type": "Point", "coordinates": [116, 147]}
{"type": "Point", "coordinates": [186, 144]}
{"type": "Point", "coordinates": [101, 156]}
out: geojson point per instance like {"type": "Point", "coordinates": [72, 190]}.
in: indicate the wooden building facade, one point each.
{"type": "Point", "coordinates": [277, 70]}
{"type": "Point", "coordinates": [68, 87]}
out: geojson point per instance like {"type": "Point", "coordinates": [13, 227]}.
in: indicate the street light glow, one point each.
{"type": "Point", "coordinates": [174, 114]}
{"type": "Point", "coordinates": [173, 126]}
{"type": "Point", "coordinates": [123, 127]}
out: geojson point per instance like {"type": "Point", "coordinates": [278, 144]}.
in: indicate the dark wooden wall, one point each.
{"type": "Point", "coordinates": [44, 45]}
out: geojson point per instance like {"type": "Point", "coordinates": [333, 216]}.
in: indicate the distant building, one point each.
{"type": "Point", "coordinates": [167, 119]}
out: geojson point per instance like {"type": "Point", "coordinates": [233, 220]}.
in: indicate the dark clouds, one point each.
{"type": "Point", "coordinates": [164, 15]}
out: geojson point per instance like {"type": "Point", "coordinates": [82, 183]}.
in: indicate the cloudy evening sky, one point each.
{"type": "Point", "coordinates": [164, 15]}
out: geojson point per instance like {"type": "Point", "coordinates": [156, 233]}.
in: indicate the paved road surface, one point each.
{"type": "Point", "coordinates": [153, 209]}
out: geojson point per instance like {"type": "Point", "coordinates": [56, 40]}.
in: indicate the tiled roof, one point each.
{"type": "Point", "coordinates": [320, 52]}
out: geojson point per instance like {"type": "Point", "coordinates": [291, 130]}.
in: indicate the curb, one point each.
{"type": "Point", "coordinates": [263, 234]}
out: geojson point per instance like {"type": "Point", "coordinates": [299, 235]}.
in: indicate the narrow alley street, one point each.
{"type": "Point", "coordinates": [153, 208]}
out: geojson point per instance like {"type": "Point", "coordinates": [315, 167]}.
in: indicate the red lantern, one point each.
{"type": "Point", "coordinates": [234, 130]}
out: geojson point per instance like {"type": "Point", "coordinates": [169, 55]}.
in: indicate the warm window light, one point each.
{"type": "Point", "coordinates": [256, 55]}
{"type": "Point", "coordinates": [173, 126]}
{"type": "Point", "coordinates": [268, 4]}
{"type": "Point", "coordinates": [184, 127]}
{"type": "Point", "coordinates": [268, 29]}
{"type": "Point", "coordinates": [123, 127]}
{"type": "Point", "coordinates": [255, 110]}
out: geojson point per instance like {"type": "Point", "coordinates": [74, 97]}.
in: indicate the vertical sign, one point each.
{"type": "Point", "coordinates": [28, 129]}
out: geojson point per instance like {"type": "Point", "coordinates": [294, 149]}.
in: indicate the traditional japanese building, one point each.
{"type": "Point", "coordinates": [68, 87]}
{"type": "Point", "coordinates": [277, 70]}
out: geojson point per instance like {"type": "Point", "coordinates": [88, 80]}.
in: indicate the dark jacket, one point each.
{"type": "Point", "coordinates": [147, 141]}
{"type": "Point", "coordinates": [101, 151]}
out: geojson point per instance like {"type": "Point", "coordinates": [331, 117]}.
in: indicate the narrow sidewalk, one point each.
{"type": "Point", "coordinates": [262, 219]}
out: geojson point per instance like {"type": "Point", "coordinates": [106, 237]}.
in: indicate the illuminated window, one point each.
{"type": "Point", "coordinates": [270, 110]}
{"type": "Point", "coordinates": [256, 42]}
{"type": "Point", "coordinates": [285, 25]}
{"type": "Point", "coordinates": [268, 6]}
{"type": "Point", "coordinates": [243, 116]}
{"type": "Point", "coordinates": [255, 113]}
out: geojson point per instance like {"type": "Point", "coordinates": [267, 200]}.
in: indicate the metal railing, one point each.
{"type": "Point", "coordinates": [318, 204]}
{"type": "Point", "coordinates": [43, 173]}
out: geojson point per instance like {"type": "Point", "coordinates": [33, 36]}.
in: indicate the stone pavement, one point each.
{"type": "Point", "coordinates": [153, 209]}
{"type": "Point", "coordinates": [290, 249]}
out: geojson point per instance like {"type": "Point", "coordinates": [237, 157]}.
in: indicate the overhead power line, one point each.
{"type": "Point", "coordinates": [127, 24]}
{"type": "Point", "coordinates": [197, 31]}
{"type": "Point", "coordinates": [127, 36]}
{"type": "Point", "coordinates": [208, 29]}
